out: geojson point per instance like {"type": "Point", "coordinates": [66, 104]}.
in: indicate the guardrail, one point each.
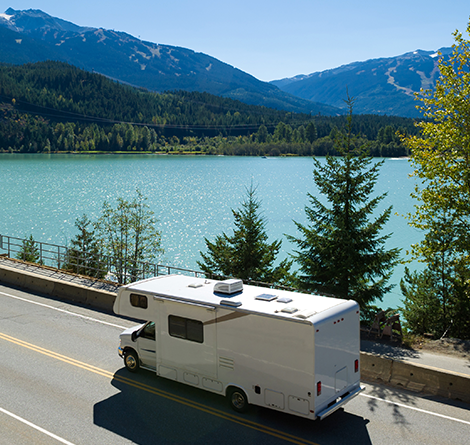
{"type": "Point", "coordinates": [97, 266]}
{"type": "Point", "coordinates": [118, 270]}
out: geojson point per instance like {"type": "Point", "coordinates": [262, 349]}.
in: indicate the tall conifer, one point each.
{"type": "Point", "coordinates": [246, 254]}
{"type": "Point", "coordinates": [340, 250]}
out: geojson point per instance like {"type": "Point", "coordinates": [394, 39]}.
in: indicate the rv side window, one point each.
{"type": "Point", "coordinates": [139, 301]}
{"type": "Point", "coordinates": [185, 328]}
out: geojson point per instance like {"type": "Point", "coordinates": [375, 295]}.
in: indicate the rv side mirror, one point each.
{"type": "Point", "coordinates": [134, 336]}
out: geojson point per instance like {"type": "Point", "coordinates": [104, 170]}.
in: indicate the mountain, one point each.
{"type": "Point", "coordinates": [380, 86]}
{"type": "Point", "coordinates": [33, 36]}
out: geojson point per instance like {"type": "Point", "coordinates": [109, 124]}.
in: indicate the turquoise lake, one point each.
{"type": "Point", "coordinates": [191, 196]}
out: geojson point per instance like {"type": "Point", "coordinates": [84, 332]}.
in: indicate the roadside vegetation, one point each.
{"type": "Point", "coordinates": [123, 241]}
{"type": "Point", "coordinates": [247, 254]}
{"type": "Point", "coordinates": [437, 299]}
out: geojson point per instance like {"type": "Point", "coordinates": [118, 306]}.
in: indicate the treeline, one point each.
{"type": "Point", "coordinates": [55, 107]}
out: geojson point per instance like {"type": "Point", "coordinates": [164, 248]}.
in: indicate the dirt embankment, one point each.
{"type": "Point", "coordinates": [446, 346]}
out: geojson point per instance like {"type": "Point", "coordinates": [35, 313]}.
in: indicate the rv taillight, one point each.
{"type": "Point", "coordinates": [318, 388]}
{"type": "Point", "coordinates": [356, 365]}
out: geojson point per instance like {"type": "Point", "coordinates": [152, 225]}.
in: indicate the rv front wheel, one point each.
{"type": "Point", "coordinates": [131, 361]}
{"type": "Point", "coordinates": [238, 400]}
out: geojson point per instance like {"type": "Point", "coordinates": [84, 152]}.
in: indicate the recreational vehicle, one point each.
{"type": "Point", "coordinates": [292, 352]}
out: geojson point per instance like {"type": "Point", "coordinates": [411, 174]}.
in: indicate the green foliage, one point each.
{"type": "Point", "coordinates": [436, 303]}
{"type": "Point", "coordinates": [246, 254]}
{"type": "Point", "coordinates": [341, 251]}
{"type": "Point", "coordinates": [29, 251]}
{"type": "Point", "coordinates": [128, 236]}
{"type": "Point", "coordinates": [84, 256]}
{"type": "Point", "coordinates": [52, 106]}
{"type": "Point", "coordinates": [421, 305]}
{"type": "Point", "coordinates": [441, 158]}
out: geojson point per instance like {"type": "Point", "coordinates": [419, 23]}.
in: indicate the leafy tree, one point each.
{"type": "Point", "coordinates": [340, 251]}
{"type": "Point", "coordinates": [84, 256]}
{"type": "Point", "coordinates": [441, 160]}
{"type": "Point", "coordinates": [246, 254]}
{"type": "Point", "coordinates": [441, 155]}
{"type": "Point", "coordinates": [29, 251]}
{"type": "Point", "coordinates": [128, 236]}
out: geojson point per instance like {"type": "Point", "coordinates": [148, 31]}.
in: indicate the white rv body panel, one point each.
{"type": "Point", "coordinates": [292, 352]}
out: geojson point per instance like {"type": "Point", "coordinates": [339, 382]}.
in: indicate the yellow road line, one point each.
{"type": "Point", "coordinates": [144, 387]}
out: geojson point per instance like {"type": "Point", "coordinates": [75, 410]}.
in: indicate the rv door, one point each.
{"type": "Point", "coordinates": [145, 339]}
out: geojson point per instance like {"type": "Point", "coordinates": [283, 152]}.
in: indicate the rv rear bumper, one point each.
{"type": "Point", "coordinates": [340, 401]}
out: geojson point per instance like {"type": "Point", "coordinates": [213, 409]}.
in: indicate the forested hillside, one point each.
{"type": "Point", "coordinates": [55, 107]}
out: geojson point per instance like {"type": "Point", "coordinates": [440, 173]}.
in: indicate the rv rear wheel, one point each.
{"type": "Point", "coordinates": [238, 400]}
{"type": "Point", "coordinates": [131, 361]}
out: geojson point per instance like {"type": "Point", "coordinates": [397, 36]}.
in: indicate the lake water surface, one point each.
{"type": "Point", "coordinates": [191, 196]}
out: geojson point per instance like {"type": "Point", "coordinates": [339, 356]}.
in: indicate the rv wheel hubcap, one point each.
{"type": "Point", "coordinates": [130, 361]}
{"type": "Point", "coordinates": [238, 400]}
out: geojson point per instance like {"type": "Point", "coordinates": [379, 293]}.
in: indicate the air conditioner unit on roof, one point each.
{"type": "Point", "coordinates": [229, 287]}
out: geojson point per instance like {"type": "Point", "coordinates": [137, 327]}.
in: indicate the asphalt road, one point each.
{"type": "Point", "coordinates": [61, 381]}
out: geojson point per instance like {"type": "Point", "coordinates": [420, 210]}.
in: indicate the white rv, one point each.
{"type": "Point", "coordinates": [288, 351]}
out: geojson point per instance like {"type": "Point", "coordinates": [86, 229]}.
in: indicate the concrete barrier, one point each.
{"type": "Point", "coordinates": [374, 368]}
{"type": "Point", "coordinates": [58, 288]}
{"type": "Point", "coordinates": [415, 377]}
{"type": "Point", "coordinates": [430, 380]}
{"type": "Point", "coordinates": [101, 299]}
{"type": "Point", "coordinates": [11, 276]}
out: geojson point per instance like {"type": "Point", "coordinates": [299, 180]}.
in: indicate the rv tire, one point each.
{"type": "Point", "coordinates": [131, 361]}
{"type": "Point", "coordinates": [238, 400]}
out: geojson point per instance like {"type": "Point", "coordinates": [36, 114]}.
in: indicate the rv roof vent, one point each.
{"type": "Point", "coordinates": [195, 285]}
{"type": "Point", "coordinates": [284, 300]}
{"type": "Point", "coordinates": [230, 303]}
{"type": "Point", "coordinates": [305, 314]}
{"type": "Point", "coordinates": [266, 297]}
{"type": "Point", "coordinates": [229, 287]}
{"type": "Point", "coordinates": [289, 310]}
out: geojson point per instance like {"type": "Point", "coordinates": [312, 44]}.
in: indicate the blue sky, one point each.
{"type": "Point", "coordinates": [273, 39]}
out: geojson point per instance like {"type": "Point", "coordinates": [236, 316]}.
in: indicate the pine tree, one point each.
{"type": "Point", "coordinates": [340, 252]}
{"type": "Point", "coordinates": [246, 254]}
{"type": "Point", "coordinates": [29, 251]}
{"type": "Point", "coordinates": [84, 256]}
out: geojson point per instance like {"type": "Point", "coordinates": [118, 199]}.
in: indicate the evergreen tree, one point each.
{"type": "Point", "coordinates": [421, 306]}
{"type": "Point", "coordinates": [341, 251]}
{"type": "Point", "coordinates": [29, 251]}
{"type": "Point", "coordinates": [246, 254]}
{"type": "Point", "coordinates": [311, 132]}
{"type": "Point", "coordinates": [84, 256]}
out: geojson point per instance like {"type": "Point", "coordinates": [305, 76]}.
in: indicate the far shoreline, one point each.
{"type": "Point", "coordinates": [183, 153]}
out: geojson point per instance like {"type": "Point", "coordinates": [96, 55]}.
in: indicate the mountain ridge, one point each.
{"type": "Point", "coordinates": [149, 65]}
{"type": "Point", "coordinates": [384, 85]}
